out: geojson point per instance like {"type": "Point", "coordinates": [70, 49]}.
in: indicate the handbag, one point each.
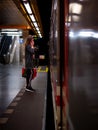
{"type": "Point", "coordinates": [34, 72]}
{"type": "Point", "coordinates": [24, 72]}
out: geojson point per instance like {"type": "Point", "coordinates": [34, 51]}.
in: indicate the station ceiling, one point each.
{"type": "Point", "coordinates": [12, 15]}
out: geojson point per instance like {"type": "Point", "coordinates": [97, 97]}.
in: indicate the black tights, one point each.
{"type": "Point", "coordinates": [28, 80]}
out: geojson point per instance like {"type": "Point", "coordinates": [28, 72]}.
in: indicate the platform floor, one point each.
{"type": "Point", "coordinates": [20, 109]}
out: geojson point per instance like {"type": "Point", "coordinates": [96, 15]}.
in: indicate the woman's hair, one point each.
{"type": "Point", "coordinates": [28, 40]}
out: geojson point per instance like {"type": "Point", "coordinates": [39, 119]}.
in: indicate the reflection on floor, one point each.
{"type": "Point", "coordinates": [11, 83]}
{"type": "Point", "coordinates": [20, 105]}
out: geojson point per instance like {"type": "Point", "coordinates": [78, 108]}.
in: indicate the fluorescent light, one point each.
{"type": "Point", "coordinates": [13, 33]}
{"type": "Point", "coordinates": [37, 29]}
{"type": "Point", "coordinates": [35, 24]}
{"type": "Point", "coordinates": [32, 18]}
{"type": "Point", "coordinates": [40, 35]}
{"type": "Point", "coordinates": [27, 6]}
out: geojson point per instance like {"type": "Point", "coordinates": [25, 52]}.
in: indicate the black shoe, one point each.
{"type": "Point", "coordinates": [30, 89]}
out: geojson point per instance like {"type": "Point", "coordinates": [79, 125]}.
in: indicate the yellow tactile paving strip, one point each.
{"type": "Point", "coordinates": [42, 69]}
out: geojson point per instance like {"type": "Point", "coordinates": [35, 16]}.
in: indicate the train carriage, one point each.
{"type": "Point", "coordinates": [74, 63]}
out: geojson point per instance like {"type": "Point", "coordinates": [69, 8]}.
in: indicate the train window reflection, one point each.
{"type": "Point", "coordinates": [83, 33]}
{"type": "Point", "coordinates": [75, 8]}
{"type": "Point", "coordinates": [71, 34]}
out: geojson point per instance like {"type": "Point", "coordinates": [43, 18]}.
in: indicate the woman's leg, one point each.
{"type": "Point", "coordinates": [28, 71]}
{"type": "Point", "coordinates": [28, 80]}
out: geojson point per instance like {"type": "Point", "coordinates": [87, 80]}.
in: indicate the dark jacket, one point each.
{"type": "Point", "coordinates": [29, 57]}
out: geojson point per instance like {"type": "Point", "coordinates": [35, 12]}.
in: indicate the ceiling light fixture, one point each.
{"type": "Point", "coordinates": [27, 6]}
{"type": "Point", "coordinates": [32, 18]}
{"type": "Point", "coordinates": [35, 24]}
{"type": "Point", "coordinates": [30, 14]}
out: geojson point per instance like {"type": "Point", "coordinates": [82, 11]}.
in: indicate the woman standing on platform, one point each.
{"type": "Point", "coordinates": [29, 64]}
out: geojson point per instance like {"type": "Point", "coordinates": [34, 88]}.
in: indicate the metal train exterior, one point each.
{"type": "Point", "coordinates": [73, 53]}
